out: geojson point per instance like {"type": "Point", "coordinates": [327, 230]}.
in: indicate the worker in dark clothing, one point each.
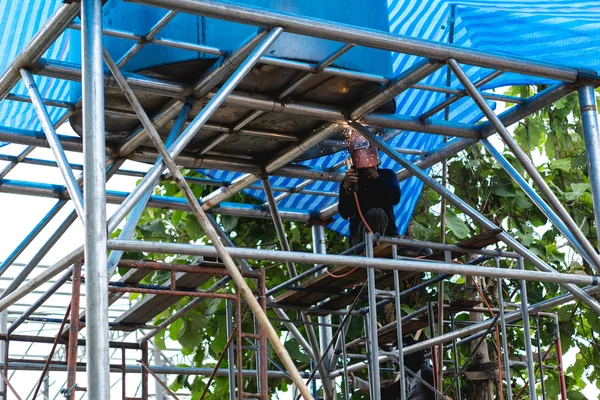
{"type": "Point", "coordinates": [377, 189]}
{"type": "Point", "coordinates": [416, 389]}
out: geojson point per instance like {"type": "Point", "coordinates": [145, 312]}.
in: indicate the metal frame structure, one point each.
{"type": "Point", "coordinates": [326, 348]}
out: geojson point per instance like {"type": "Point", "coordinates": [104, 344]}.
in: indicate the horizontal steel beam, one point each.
{"type": "Point", "coordinates": [415, 265]}
{"type": "Point", "coordinates": [345, 33]}
{"type": "Point", "coordinates": [136, 369]}
{"type": "Point", "coordinates": [187, 160]}
{"type": "Point", "coordinates": [146, 84]}
{"type": "Point", "coordinates": [172, 203]}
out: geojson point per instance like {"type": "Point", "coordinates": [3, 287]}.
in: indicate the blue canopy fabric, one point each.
{"type": "Point", "coordinates": [560, 31]}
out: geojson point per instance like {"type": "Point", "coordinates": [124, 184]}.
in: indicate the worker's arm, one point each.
{"type": "Point", "coordinates": [347, 204]}
{"type": "Point", "coordinates": [387, 186]}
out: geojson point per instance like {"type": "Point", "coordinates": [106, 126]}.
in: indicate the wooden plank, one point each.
{"type": "Point", "coordinates": [152, 305]}
{"type": "Point", "coordinates": [382, 282]}
{"type": "Point", "coordinates": [476, 242]}
{"type": "Point", "coordinates": [338, 279]}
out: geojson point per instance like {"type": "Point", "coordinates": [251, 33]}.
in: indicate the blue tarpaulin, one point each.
{"type": "Point", "coordinates": [562, 32]}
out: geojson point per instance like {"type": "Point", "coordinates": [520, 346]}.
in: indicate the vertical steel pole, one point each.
{"type": "Point", "coordinates": [540, 355]}
{"type": "Point", "coordinates": [345, 367]}
{"type": "Point", "coordinates": [559, 359]}
{"type": "Point", "coordinates": [325, 332]}
{"type": "Point", "coordinates": [455, 356]}
{"type": "Point", "coordinates": [123, 374]}
{"type": "Point", "coordinates": [591, 136]}
{"type": "Point", "coordinates": [46, 387]}
{"type": "Point", "coordinates": [504, 337]}
{"type": "Point", "coordinates": [158, 389]}
{"type": "Point", "coordinates": [239, 340]}
{"type": "Point", "coordinates": [399, 326]}
{"type": "Point", "coordinates": [373, 342]}
{"type": "Point", "coordinates": [74, 329]}
{"type": "Point", "coordinates": [94, 190]}
{"type": "Point", "coordinates": [3, 329]}
{"type": "Point", "coordinates": [434, 360]}
{"type": "Point", "coordinates": [230, 349]}
{"type": "Point", "coordinates": [144, 349]}
{"type": "Point", "coordinates": [263, 366]}
{"type": "Point", "coordinates": [527, 334]}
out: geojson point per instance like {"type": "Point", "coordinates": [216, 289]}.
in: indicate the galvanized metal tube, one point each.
{"type": "Point", "coordinates": [362, 36]}
{"type": "Point", "coordinates": [397, 303]}
{"type": "Point", "coordinates": [16, 161]}
{"type": "Point", "coordinates": [98, 358]}
{"type": "Point", "coordinates": [538, 340]}
{"type": "Point", "coordinates": [173, 203]}
{"type": "Point", "coordinates": [136, 213]}
{"type": "Point", "coordinates": [474, 214]}
{"type": "Point", "coordinates": [453, 99]}
{"type": "Point", "coordinates": [591, 135]}
{"type": "Point", "coordinates": [409, 265]}
{"type": "Point", "coordinates": [527, 334]}
{"type": "Point", "coordinates": [278, 223]}
{"type": "Point", "coordinates": [54, 142]}
{"type": "Point", "coordinates": [43, 39]}
{"type": "Point", "coordinates": [591, 257]}
{"type": "Point", "coordinates": [129, 54]}
{"type": "Point", "coordinates": [285, 246]}
{"type": "Point", "coordinates": [455, 358]}
{"type": "Point", "coordinates": [193, 128]}
{"type": "Point", "coordinates": [504, 337]}
{"type": "Point", "coordinates": [136, 369]}
{"type": "Point", "coordinates": [527, 164]}
{"type": "Point", "coordinates": [405, 80]}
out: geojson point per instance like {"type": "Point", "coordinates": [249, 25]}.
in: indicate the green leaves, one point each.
{"type": "Point", "coordinates": [457, 226]}
{"type": "Point", "coordinates": [563, 164]}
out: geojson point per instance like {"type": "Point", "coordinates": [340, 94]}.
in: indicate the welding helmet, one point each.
{"type": "Point", "coordinates": [363, 154]}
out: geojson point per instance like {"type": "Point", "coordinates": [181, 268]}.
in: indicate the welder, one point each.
{"type": "Point", "coordinates": [376, 189]}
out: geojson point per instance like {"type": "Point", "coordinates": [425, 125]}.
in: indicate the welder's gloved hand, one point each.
{"type": "Point", "coordinates": [350, 181]}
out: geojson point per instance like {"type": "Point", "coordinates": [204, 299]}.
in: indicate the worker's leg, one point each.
{"type": "Point", "coordinates": [377, 221]}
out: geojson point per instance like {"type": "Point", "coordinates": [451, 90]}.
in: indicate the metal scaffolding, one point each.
{"type": "Point", "coordinates": [323, 315]}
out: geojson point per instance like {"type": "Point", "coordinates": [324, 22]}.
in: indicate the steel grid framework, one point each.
{"type": "Point", "coordinates": [102, 161]}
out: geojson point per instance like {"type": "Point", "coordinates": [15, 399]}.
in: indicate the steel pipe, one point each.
{"type": "Point", "coordinates": [592, 258]}
{"type": "Point", "coordinates": [345, 33]}
{"type": "Point", "coordinates": [527, 165]}
{"type": "Point", "coordinates": [54, 142]}
{"type": "Point", "coordinates": [141, 83]}
{"type": "Point", "coordinates": [174, 203]}
{"type": "Point", "coordinates": [405, 80]}
{"type": "Point", "coordinates": [43, 39]}
{"type": "Point", "coordinates": [591, 135]}
{"type": "Point", "coordinates": [98, 359]}
{"type": "Point", "coordinates": [408, 265]}
{"type": "Point", "coordinates": [527, 334]}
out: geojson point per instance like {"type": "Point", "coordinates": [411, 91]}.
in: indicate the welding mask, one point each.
{"type": "Point", "coordinates": [363, 154]}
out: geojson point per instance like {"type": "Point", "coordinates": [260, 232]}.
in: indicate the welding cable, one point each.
{"type": "Point", "coordinates": [362, 217]}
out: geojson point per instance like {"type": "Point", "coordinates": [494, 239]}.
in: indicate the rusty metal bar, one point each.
{"type": "Point", "coordinates": [73, 330]}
